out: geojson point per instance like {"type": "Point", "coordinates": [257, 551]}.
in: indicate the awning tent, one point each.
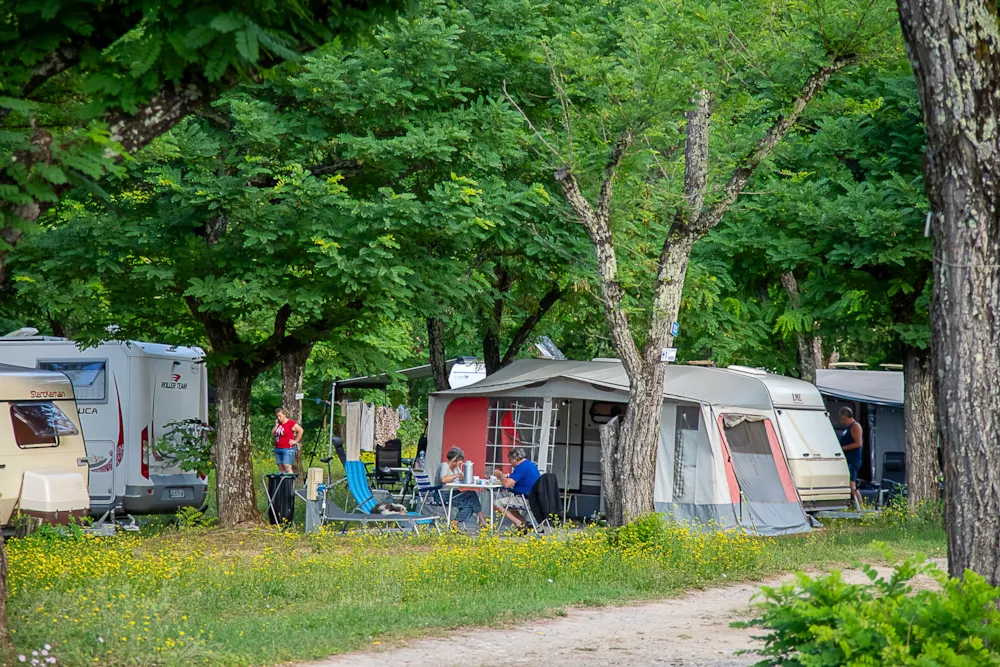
{"type": "Point", "coordinates": [875, 387]}
{"type": "Point", "coordinates": [719, 459]}
{"type": "Point", "coordinates": [877, 400]}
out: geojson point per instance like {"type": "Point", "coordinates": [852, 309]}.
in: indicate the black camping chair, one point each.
{"type": "Point", "coordinates": [389, 455]}
{"type": "Point", "coordinates": [894, 474]}
{"type": "Point", "coordinates": [543, 500]}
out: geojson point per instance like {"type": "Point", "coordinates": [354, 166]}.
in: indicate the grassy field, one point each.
{"type": "Point", "coordinates": [215, 597]}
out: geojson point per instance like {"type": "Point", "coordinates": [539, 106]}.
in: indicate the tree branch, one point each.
{"type": "Point", "coordinates": [813, 85]}
{"type": "Point", "coordinates": [696, 155]}
{"type": "Point", "coordinates": [618, 151]}
{"type": "Point", "coordinates": [521, 336]}
{"type": "Point", "coordinates": [607, 264]}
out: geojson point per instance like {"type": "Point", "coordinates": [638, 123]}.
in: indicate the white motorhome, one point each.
{"type": "Point", "coordinates": [127, 394]}
{"type": "Point", "coordinates": [43, 462]}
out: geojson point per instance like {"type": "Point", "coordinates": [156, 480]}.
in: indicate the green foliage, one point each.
{"type": "Point", "coordinates": [844, 211]}
{"type": "Point", "coordinates": [73, 72]}
{"type": "Point", "coordinates": [825, 622]}
{"type": "Point", "coordinates": [190, 517]}
{"type": "Point", "coordinates": [186, 445]}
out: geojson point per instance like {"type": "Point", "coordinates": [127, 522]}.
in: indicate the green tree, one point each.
{"type": "Point", "coordinates": [232, 227]}
{"type": "Point", "coordinates": [85, 82]}
{"type": "Point", "coordinates": [624, 84]}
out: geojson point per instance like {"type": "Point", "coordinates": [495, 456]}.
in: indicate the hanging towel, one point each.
{"type": "Point", "coordinates": [352, 431]}
{"type": "Point", "coordinates": [367, 428]}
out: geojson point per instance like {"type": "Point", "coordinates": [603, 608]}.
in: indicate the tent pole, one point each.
{"type": "Point", "coordinates": [333, 407]}
{"type": "Point", "coordinates": [569, 415]}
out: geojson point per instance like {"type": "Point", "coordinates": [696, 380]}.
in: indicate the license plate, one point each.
{"type": "Point", "coordinates": [176, 493]}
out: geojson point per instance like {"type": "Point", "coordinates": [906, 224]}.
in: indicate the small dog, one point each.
{"type": "Point", "coordinates": [389, 508]}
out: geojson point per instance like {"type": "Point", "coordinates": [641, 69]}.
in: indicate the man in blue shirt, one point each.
{"type": "Point", "coordinates": [520, 482]}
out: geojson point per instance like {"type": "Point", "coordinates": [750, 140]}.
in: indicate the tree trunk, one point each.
{"type": "Point", "coordinates": [954, 48]}
{"type": "Point", "coordinates": [435, 341]}
{"type": "Point", "coordinates": [293, 370]}
{"type": "Point", "coordinates": [808, 358]}
{"type": "Point", "coordinates": [494, 323]}
{"type": "Point", "coordinates": [234, 481]}
{"type": "Point", "coordinates": [609, 451]}
{"type": "Point", "coordinates": [633, 459]}
{"type": "Point", "coordinates": [921, 432]}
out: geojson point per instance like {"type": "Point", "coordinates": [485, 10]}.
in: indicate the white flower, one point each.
{"type": "Point", "coordinates": [45, 651]}
{"type": "Point", "coordinates": [47, 647]}
{"type": "Point", "coordinates": [34, 653]}
{"type": "Point", "coordinates": [550, 581]}
{"type": "Point", "coordinates": [21, 658]}
{"type": "Point", "coordinates": [100, 639]}
{"type": "Point", "coordinates": [51, 661]}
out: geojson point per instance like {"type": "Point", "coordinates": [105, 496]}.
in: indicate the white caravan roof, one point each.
{"type": "Point", "coordinates": [131, 347]}
{"type": "Point", "coordinates": [735, 387]}
{"type": "Point", "coordinates": [878, 387]}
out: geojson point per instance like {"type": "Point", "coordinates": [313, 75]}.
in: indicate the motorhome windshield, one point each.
{"type": "Point", "coordinates": [40, 424]}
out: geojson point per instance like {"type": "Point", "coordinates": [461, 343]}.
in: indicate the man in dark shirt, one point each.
{"type": "Point", "coordinates": [850, 442]}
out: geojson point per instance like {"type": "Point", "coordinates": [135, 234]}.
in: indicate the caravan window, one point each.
{"type": "Point", "coordinates": [39, 424]}
{"type": "Point", "coordinates": [89, 378]}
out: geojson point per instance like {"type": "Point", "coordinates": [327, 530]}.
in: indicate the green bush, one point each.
{"type": "Point", "coordinates": [643, 533]}
{"type": "Point", "coordinates": [825, 622]}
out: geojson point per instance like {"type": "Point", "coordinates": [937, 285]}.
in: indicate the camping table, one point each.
{"type": "Point", "coordinates": [490, 486]}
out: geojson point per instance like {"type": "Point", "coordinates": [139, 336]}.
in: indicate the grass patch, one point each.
{"type": "Point", "coordinates": [260, 597]}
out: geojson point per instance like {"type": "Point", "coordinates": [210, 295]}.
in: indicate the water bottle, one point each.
{"type": "Point", "coordinates": [467, 476]}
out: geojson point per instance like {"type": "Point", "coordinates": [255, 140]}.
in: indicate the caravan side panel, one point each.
{"type": "Point", "coordinates": [815, 458]}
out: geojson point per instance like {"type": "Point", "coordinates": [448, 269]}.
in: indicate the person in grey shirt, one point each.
{"type": "Point", "coordinates": [467, 502]}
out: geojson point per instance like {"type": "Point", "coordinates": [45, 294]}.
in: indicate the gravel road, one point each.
{"type": "Point", "coordinates": [689, 631]}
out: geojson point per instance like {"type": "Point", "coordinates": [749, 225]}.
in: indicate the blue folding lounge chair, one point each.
{"type": "Point", "coordinates": [357, 484]}
{"type": "Point", "coordinates": [333, 513]}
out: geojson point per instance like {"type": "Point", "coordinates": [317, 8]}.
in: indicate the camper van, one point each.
{"type": "Point", "coordinates": [129, 394]}
{"type": "Point", "coordinates": [43, 461]}
{"type": "Point", "coordinates": [814, 455]}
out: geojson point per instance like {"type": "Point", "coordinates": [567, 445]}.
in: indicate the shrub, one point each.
{"type": "Point", "coordinates": [825, 622]}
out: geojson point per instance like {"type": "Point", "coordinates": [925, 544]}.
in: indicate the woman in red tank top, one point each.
{"type": "Point", "coordinates": [287, 434]}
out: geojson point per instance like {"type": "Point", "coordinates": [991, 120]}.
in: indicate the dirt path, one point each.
{"type": "Point", "coordinates": [690, 631]}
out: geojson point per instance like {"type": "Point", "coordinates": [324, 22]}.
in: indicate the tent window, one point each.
{"type": "Point", "coordinates": [685, 441]}
{"type": "Point", "coordinates": [747, 437]}
{"type": "Point", "coordinates": [39, 424]}
{"type": "Point", "coordinates": [516, 423]}
{"type": "Point", "coordinates": [89, 378]}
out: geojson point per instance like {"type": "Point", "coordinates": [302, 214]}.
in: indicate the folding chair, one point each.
{"type": "Point", "coordinates": [426, 493]}
{"type": "Point", "coordinates": [366, 499]}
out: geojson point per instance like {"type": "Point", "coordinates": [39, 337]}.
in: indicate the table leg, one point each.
{"type": "Point", "coordinates": [451, 495]}
{"type": "Point", "coordinates": [493, 509]}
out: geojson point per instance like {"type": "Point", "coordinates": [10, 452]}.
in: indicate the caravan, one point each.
{"type": "Point", "coordinates": [128, 394]}
{"type": "Point", "coordinates": [737, 447]}
{"type": "Point", "coordinates": [43, 462]}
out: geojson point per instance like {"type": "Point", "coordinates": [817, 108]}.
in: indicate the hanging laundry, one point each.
{"type": "Point", "coordinates": [386, 424]}
{"type": "Point", "coordinates": [367, 428]}
{"type": "Point", "coordinates": [403, 412]}
{"type": "Point", "coordinates": [352, 431]}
